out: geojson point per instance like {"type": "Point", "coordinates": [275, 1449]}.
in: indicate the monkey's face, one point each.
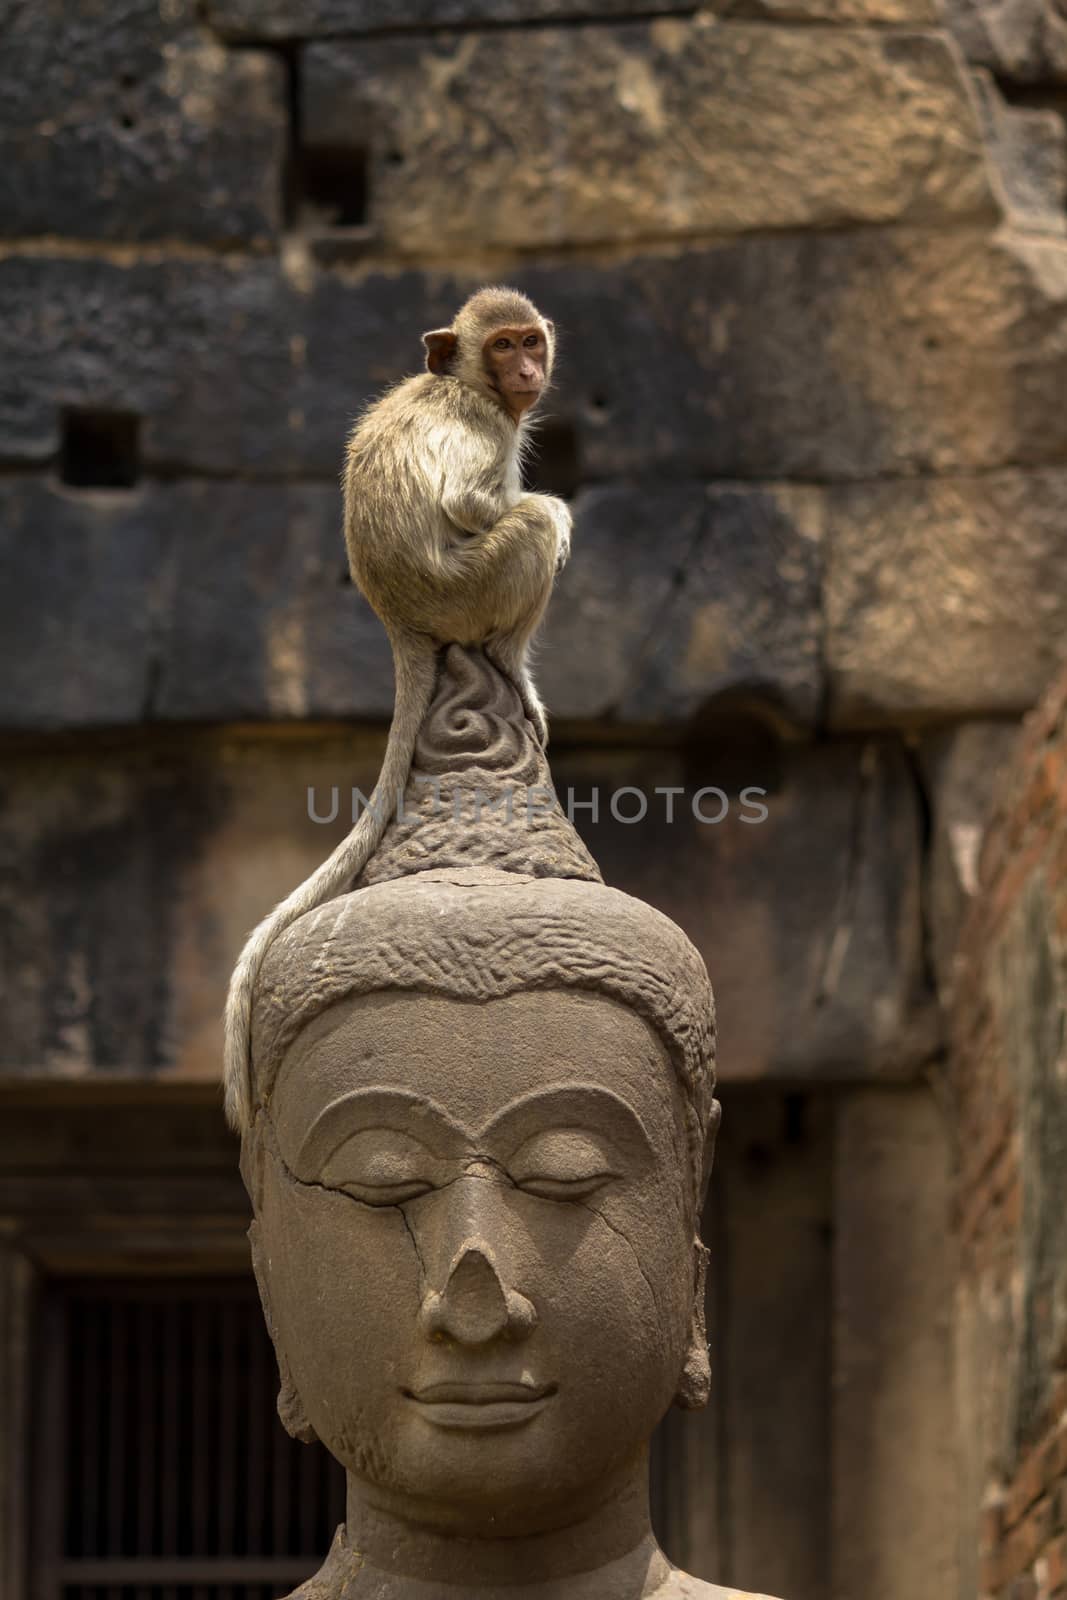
{"type": "Point", "coordinates": [518, 364]}
{"type": "Point", "coordinates": [476, 1245]}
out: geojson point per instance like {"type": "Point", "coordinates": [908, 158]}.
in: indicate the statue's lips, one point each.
{"type": "Point", "coordinates": [481, 1405]}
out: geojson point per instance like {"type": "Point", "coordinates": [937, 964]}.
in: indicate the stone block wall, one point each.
{"type": "Point", "coordinates": [808, 261]}
{"type": "Point", "coordinates": [809, 413]}
{"type": "Point", "coordinates": [1009, 1087]}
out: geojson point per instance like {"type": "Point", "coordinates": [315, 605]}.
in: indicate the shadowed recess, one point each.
{"type": "Point", "coordinates": [554, 466]}
{"type": "Point", "coordinates": [100, 449]}
{"type": "Point", "coordinates": [331, 186]}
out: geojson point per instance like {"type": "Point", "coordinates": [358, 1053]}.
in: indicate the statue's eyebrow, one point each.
{"type": "Point", "coordinates": [569, 1105]}
{"type": "Point", "coordinates": [399, 1109]}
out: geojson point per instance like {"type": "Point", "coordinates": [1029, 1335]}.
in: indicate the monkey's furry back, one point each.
{"type": "Point", "coordinates": [428, 445]}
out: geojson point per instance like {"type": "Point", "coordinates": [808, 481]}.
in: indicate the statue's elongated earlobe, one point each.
{"type": "Point", "coordinates": [290, 1406]}
{"type": "Point", "coordinates": [694, 1386]}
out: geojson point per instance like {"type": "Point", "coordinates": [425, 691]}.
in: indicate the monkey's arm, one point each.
{"type": "Point", "coordinates": [471, 508]}
{"type": "Point", "coordinates": [471, 463]}
{"type": "Point", "coordinates": [476, 509]}
{"type": "Point", "coordinates": [495, 524]}
{"type": "Point", "coordinates": [504, 546]}
{"type": "Point", "coordinates": [472, 493]}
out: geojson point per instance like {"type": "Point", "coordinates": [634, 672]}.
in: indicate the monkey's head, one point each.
{"type": "Point", "coordinates": [500, 344]}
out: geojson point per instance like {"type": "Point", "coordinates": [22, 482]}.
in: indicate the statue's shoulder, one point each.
{"type": "Point", "coordinates": [680, 1586]}
{"type": "Point", "coordinates": [335, 1580]}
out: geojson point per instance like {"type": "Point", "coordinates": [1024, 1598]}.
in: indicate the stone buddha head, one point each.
{"type": "Point", "coordinates": [480, 1131]}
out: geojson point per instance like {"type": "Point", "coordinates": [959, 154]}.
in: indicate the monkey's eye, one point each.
{"type": "Point", "coordinates": [501, 344]}
{"type": "Point", "coordinates": [531, 340]}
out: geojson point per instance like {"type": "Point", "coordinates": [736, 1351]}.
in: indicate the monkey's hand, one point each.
{"type": "Point", "coordinates": [559, 515]}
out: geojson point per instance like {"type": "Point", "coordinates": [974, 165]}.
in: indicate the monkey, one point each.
{"type": "Point", "coordinates": [447, 549]}
{"type": "Point", "coordinates": [441, 539]}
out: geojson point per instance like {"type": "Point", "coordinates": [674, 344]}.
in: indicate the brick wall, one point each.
{"type": "Point", "coordinates": [1009, 1081]}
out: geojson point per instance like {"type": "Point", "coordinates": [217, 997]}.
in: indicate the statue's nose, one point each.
{"type": "Point", "coordinates": [474, 1307]}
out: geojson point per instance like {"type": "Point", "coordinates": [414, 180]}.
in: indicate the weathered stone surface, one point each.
{"type": "Point", "coordinates": [287, 19]}
{"type": "Point", "coordinates": [192, 602]}
{"type": "Point", "coordinates": [961, 768]}
{"type": "Point", "coordinates": [945, 598]}
{"type": "Point", "coordinates": [1021, 39]}
{"type": "Point", "coordinates": [132, 874]}
{"type": "Point", "coordinates": [137, 127]}
{"type": "Point", "coordinates": [81, 594]}
{"type": "Point", "coordinates": [881, 351]}
{"type": "Point", "coordinates": [263, 621]}
{"type": "Point", "coordinates": [809, 919]}
{"type": "Point", "coordinates": [98, 858]}
{"type": "Point", "coordinates": [894, 1446]}
{"type": "Point", "coordinates": [632, 131]}
{"type": "Point", "coordinates": [131, 878]}
{"type": "Point", "coordinates": [681, 595]}
{"type": "Point", "coordinates": [925, 13]}
{"type": "Point", "coordinates": [208, 601]}
{"type": "Point", "coordinates": [200, 350]}
{"type": "Point", "coordinates": [283, 19]}
{"type": "Point", "coordinates": [772, 1211]}
{"type": "Point", "coordinates": [744, 618]}
{"type": "Point", "coordinates": [831, 355]}
{"type": "Point", "coordinates": [1029, 148]}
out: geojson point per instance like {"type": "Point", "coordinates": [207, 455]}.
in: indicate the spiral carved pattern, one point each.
{"type": "Point", "coordinates": [480, 792]}
{"type": "Point", "coordinates": [476, 720]}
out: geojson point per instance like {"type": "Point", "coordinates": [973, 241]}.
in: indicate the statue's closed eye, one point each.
{"type": "Point", "coordinates": [562, 1164]}
{"type": "Point", "coordinates": [381, 1167]}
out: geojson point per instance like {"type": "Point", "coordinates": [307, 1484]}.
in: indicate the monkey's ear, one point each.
{"type": "Point", "coordinates": [551, 326]}
{"type": "Point", "coordinates": [440, 348]}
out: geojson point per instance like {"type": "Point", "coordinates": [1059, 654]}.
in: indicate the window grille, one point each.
{"type": "Point", "coordinates": [164, 1473]}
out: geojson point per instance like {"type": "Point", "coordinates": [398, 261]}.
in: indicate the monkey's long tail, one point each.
{"type": "Point", "coordinates": [415, 667]}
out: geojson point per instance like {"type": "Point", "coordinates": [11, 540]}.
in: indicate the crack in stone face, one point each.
{"type": "Point", "coordinates": [628, 1242]}
{"type": "Point", "coordinates": [409, 1230]}
{"type": "Point", "coordinates": [500, 1174]}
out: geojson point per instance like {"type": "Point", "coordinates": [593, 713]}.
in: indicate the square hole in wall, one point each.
{"type": "Point", "coordinates": [331, 186]}
{"type": "Point", "coordinates": [99, 449]}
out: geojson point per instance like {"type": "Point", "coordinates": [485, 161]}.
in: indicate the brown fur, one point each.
{"type": "Point", "coordinates": [448, 550]}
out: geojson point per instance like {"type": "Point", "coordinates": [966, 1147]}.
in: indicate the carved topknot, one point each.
{"type": "Point", "coordinates": [480, 792]}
